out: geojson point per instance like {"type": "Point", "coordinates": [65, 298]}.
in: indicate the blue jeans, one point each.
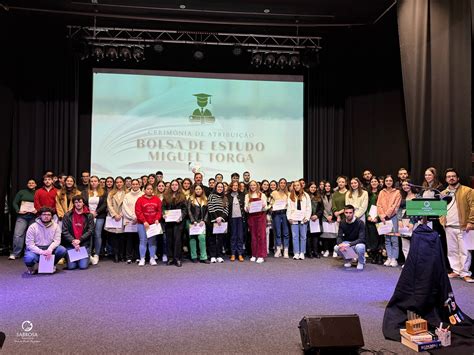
{"type": "Point", "coordinates": [99, 226]}
{"type": "Point", "coordinates": [31, 258]}
{"type": "Point", "coordinates": [358, 248]}
{"type": "Point", "coordinates": [21, 225]}
{"type": "Point", "coordinates": [82, 264]}
{"type": "Point", "coordinates": [237, 237]}
{"type": "Point", "coordinates": [280, 228]}
{"type": "Point", "coordinates": [391, 244]}
{"type": "Point", "coordinates": [298, 232]}
{"type": "Point", "coordinates": [144, 241]}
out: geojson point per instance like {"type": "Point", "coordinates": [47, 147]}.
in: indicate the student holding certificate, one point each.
{"type": "Point", "coordinates": [198, 217]}
{"type": "Point", "coordinates": [298, 214]}
{"type": "Point", "coordinates": [358, 197]}
{"type": "Point", "coordinates": [175, 207]}
{"type": "Point", "coordinates": [148, 212]}
{"type": "Point", "coordinates": [218, 214]}
{"type": "Point", "coordinates": [23, 204]}
{"type": "Point", "coordinates": [339, 198]}
{"type": "Point", "coordinates": [374, 242]}
{"type": "Point", "coordinates": [160, 193]}
{"type": "Point", "coordinates": [388, 203]}
{"type": "Point", "coordinates": [95, 198]}
{"type": "Point", "coordinates": [328, 238]}
{"type": "Point", "coordinates": [256, 206]}
{"type": "Point", "coordinates": [130, 221]}
{"type": "Point", "coordinates": [114, 205]}
{"type": "Point", "coordinates": [237, 214]}
{"type": "Point", "coordinates": [265, 189]}
{"type": "Point", "coordinates": [279, 203]}
{"type": "Point", "coordinates": [315, 219]}
{"type": "Point", "coordinates": [64, 197]}
{"type": "Point", "coordinates": [408, 193]}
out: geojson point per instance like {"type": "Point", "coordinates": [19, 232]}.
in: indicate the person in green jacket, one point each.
{"type": "Point", "coordinates": [23, 204]}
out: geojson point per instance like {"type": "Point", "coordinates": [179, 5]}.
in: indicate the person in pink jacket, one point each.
{"type": "Point", "coordinates": [388, 203]}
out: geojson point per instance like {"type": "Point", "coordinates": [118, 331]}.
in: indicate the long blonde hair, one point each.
{"type": "Point", "coordinates": [100, 190]}
{"type": "Point", "coordinates": [193, 198]}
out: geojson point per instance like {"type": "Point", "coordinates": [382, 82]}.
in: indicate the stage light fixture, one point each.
{"type": "Point", "coordinates": [269, 60]}
{"type": "Point", "coordinates": [198, 54]}
{"type": "Point", "coordinates": [257, 60]}
{"type": "Point", "coordinates": [112, 53]}
{"type": "Point", "coordinates": [98, 53]}
{"type": "Point", "coordinates": [237, 51]}
{"type": "Point", "coordinates": [159, 48]}
{"type": "Point", "coordinates": [294, 61]}
{"type": "Point", "coordinates": [125, 53]}
{"type": "Point", "coordinates": [282, 61]}
{"type": "Point", "coordinates": [138, 54]}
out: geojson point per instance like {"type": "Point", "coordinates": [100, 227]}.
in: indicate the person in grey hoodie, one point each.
{"type": "Point", "coordinates": [43, 238]}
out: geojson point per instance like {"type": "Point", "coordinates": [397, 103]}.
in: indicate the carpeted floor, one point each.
{"type": "Point", "coordinates": [217, 308]}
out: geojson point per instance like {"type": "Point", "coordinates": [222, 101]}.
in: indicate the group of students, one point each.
{"type": "Point", "coordinates": [136, 215]}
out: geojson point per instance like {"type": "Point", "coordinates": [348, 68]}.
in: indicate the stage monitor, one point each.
{"type": "Point", "coordinates": [146, 121]}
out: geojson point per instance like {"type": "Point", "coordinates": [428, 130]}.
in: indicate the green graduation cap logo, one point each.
{"type": "Point", "coordinates": [202, 114]}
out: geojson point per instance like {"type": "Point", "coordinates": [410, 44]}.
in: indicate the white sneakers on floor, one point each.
{"type": "Point", "coordinates": [360, 266]}
{"type": "Point", "coordinates": [326, 254]}
{"type": "Point", "coordinates": [260, 260]}
{"type": "Point", "coordinates": [141, 262]}
{"type": "Point", "coordinates": [387, 262]}
{"type": "Point", "coordinates": [164, 258]}
{"type": "Point", "coordinates": [213, 260]}
{"type": "Point", "coordinates": [285, 253]}
{"type": "Point", "coordinates": [334, 255]}
{"type": "Point", "coordinates": [220, 260]}
{"type": "Point", "coordinates": [152, 262]}
{"type": "Point", "coordinates": [301, 256]}
{"type": "Point", "coordinates": [11, 257]}
{"type": "Point", "coordinates": [348, 265]}
{"type": "Point", "coordinates": [253, 258]}
{"type": "Point", "coordinates": [95, 259]}
{"type": "Point", "coordinates": [394, 263]}
{"type": "Point", "coordinates": [278, 252]}
{"type": "Point", "coordinates": [296, 256]}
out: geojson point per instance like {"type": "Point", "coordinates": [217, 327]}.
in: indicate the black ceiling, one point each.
{"type": "Point", "coordinates": [269, 16]}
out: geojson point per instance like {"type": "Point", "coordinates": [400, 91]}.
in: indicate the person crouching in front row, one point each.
{"type": "Point", "coordinates": [43, 237]}
{"type": "Point", "coordinates": [78, 228]}
{"type": "Point", "coordinates": [351, 234]}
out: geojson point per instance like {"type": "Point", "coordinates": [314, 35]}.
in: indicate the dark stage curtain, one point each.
{"type": "Point", "coordinates": [435, 46]}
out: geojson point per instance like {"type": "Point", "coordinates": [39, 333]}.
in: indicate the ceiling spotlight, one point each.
{"type": "Point", "coordinates": [98, 53]}
{"type": "Point", "coordinates": [257, 60]}
{"type": "Point", "coordinates": [138, 54]}
{"type": "Point", "coordinates": [267, 11]}
{"type": "Point", "coordinates": [182, 6]}
{"type": "Point", "coordinates": [269, 60]}
{"type": "Point", "coordinates": [282, 61]}
{"type": "Point", "coordinates": [198, 54]}
{"type": "Point", "coordinates": [112, 53]}
{"type": "Point", "coordinates": [294, 61]}
{"type": "Point", "coordinates": [237, 51]}
{"type": "Point", "coordinates": [125, 53]}
{"type": "Point", "coordinates": [159, 48]}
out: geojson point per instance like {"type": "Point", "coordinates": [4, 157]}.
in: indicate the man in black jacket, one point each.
{"type": "Point", "coordinates": [351, 235]}
{"type": "Point", "coordinates": [78, 228]}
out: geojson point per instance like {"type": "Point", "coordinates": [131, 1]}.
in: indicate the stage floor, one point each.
{"type": "Point", "coordinates": [218, 308]}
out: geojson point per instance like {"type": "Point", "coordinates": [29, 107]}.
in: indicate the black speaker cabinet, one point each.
{"type": "Point", "coordinates": [331, 334]}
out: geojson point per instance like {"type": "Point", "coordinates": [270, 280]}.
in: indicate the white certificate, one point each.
{"type": "Point", "coordinates": [197, 229]}
{"type": "Point", "coordinates": [75, 255]}
{"type": "Point", "coordinates": [297, 215]}
{"type": "Point", "coordinates": [130, 228]}
{"type": "Point", "coordinates": [330, 227]}
{"type": "Point", "coordinates": [349, 253]}
{"type": "Point", "coordinates": [385, 227]}
{"type": "Point", "coordinates": [314, 227]}
{"type": "Point", "coordinates": [405, 228]}
{"type": "Point", "coordinates": [172, 215]}
{"type": "Point", "coordinates": [28, 207]}
{"type": "Point", "coordinates": [110, 222]}
{"type": "Point", "coordinates": [46, 266]}
{"type": "Point", "coordinates": [279, 205]}
{"type": "Point", "coordinates": [220, 229]}
{"type": "Point", "coordinates": [373, 211]}
{"type": "Point", "coordinates": [255, 206]}
{"type": "Point", "coordinates": [153, 230]}
{"type": "Point", "coordinates": [468, 238]}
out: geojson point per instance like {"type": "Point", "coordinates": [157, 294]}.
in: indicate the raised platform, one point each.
{"type": "Point", "coordinates": [218, 308]}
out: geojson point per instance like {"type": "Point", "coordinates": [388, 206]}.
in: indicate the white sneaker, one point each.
{"type": "Point", "coordinates": [11, 257]}
{"type": "Point", "coordinates": [347, 265]}
{"type": "Point", "coordinates": [164, 258]}
{"type": "Point", "coordinates": [253, 258]}
{"type": "Point", "coordinates": [278, 252]}
{"type": "Point", "coordinates": [394, 263]}
{"type": "Point", "coordinates": [302, 256]}
{"type": "Point", "coordinates": [152, 262]}
{"type": "Point", "coordinates": [260, 260]}
{"type": "Point", "coordinates": [387, 262]}
{"type": "Point", "coordinates": [326, 254]}
{"type": "Point", "coordinates": [185, 248]}
{"type": "Point", "coordinates": [213, 260]}
{"type": "Point", "coordinates": [296, 256]}
{"type": "Point", "coordinates": [334, 255]}
{"type": "Point", "coordinates": [54, 269]}
{"type": "Point", "coordinates": [141, 262]}
{"type": "Point", "coordinates": [360, 266]}
{"type": "Point", "coordinates": [285, 254]}
{"type": "Point", "coordinates": [95, 260]}
{"type": "Point", "coordinates": [220, 260]}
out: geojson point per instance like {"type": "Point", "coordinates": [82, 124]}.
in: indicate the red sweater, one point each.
{"type": "Point", "coordinates": [44, 197]}
{"type": "Point", "coordinates": [148, 209]}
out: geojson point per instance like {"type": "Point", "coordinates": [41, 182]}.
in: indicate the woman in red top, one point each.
{"type": "Point", "coordinates": [148, 212]}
